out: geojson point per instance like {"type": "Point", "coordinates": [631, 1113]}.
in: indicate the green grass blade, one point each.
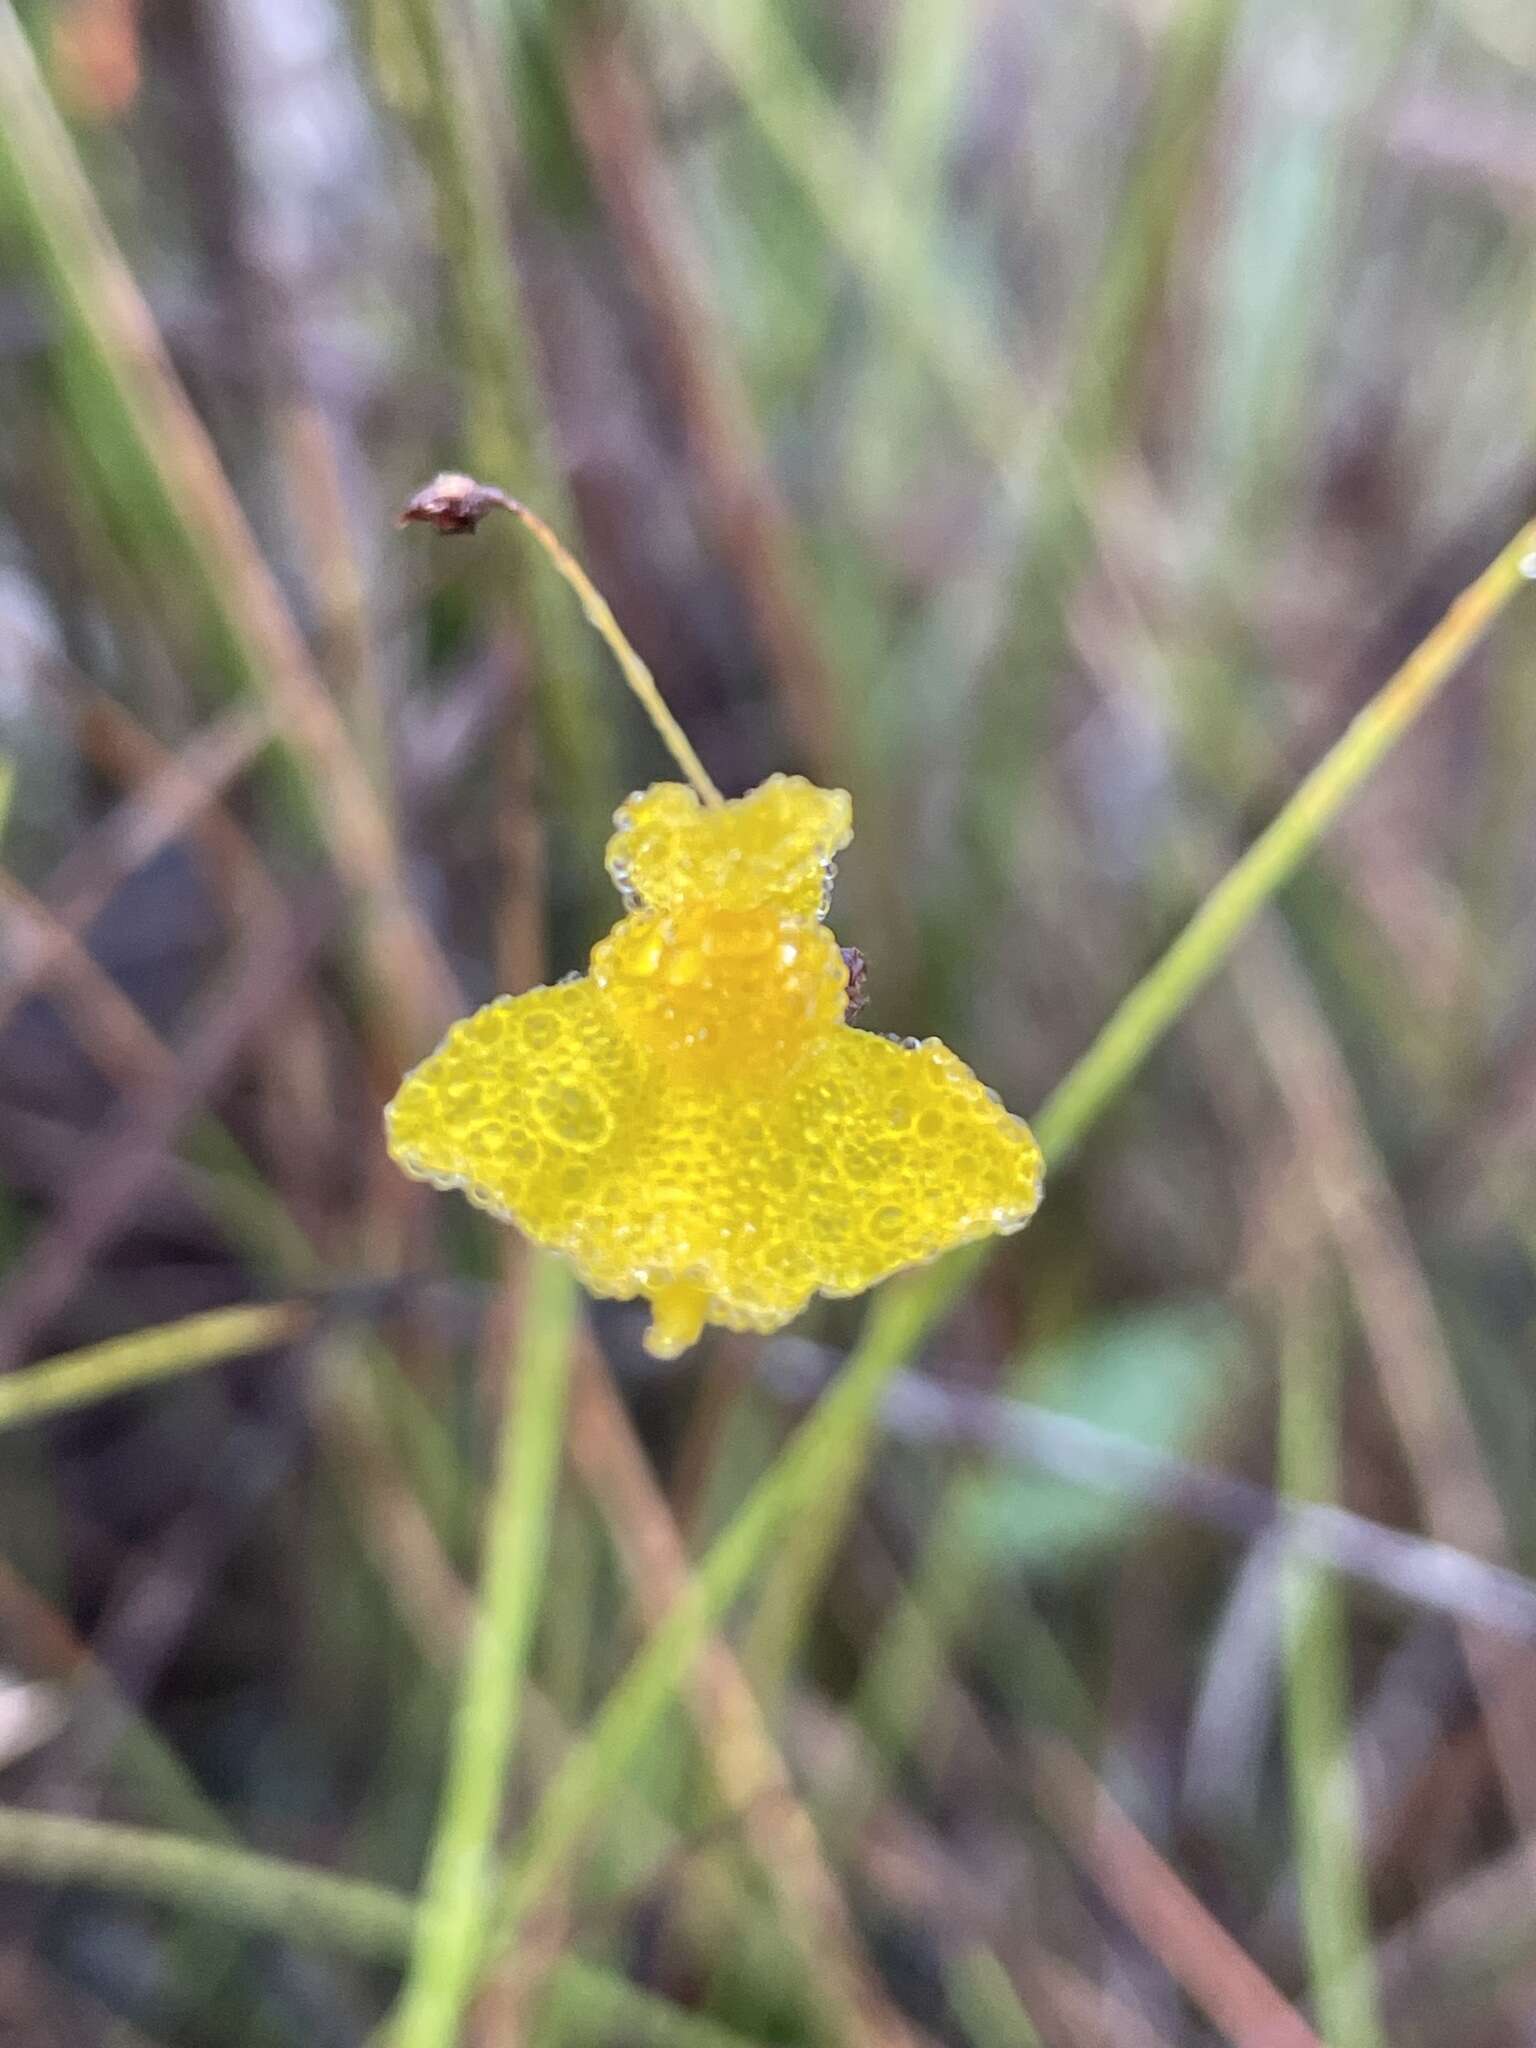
{"type": "Point", "coordinates": [1335, 1908]}
{"type": "Point", "coordinates": [312, 1908]}
{"type": "Point", "coordinates": [655, 1676]}
{"type": "Point", "coordinates": [986, 2004]}
{"type": "Point", "coordinates": [1135, 1028]}
{"type": "Point", "coordinates": [258, 1892]}
{"type": "Point", "coordinates": [120, 1365]}
{"type": "Point", "coordinates": [457, 1892]}
{"type": "Point", "coordinates": [829, 1445]}
{"type": "Point", "coordinates": [178, 483]}
{"type": "Point", "coordinates": [921, 83]}
{"type": "Point", "coordinates": [587, 2005]}
{"type": "Point", "coordinates": [941, 327]}
{"type": "Point", "coordinates": [1163, 994]}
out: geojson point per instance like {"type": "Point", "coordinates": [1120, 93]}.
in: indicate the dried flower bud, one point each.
{"type": "Point", "coordinates": [453, 503]}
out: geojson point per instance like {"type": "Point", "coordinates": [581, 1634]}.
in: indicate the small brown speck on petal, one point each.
{"type": "Point", "coordinates": [858, 981]}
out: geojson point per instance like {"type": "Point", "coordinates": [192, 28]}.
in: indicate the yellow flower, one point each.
{"type": "Point", "coordinates": [694, 1120]}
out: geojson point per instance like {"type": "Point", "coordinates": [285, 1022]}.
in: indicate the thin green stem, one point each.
{"type": "Point", "coordinates": [600, 2006]}
{"type": "Point", "coordinates": [579, 1791]}
{"type": "Point", "coordinates": [904, 1671]}
{"type": "Point", "coordinates": [635, 671]}
{"type": "Point", "coordinates": [921, 85]}
{"type": "Point", "coordinates": [258, 1892]}
{"type": "Point", "coordinates": [1163, 994]}
{"type": "Point", "coordinates": [866, 220]}
{"type": "Point", "coordinates": [819, 1455]}
{"type": "Point", "coordinates": [983, 1999]}
{"type": "Point", "coordinates": [456, 1896]}
{"type": "Point", "coordinates": [455, 503]}
{"type": "Point", "coordinates": [76, 1378]}
{"type": "Point", "coordinates": [1335, 1909]}
{"type": "Point", "coordinates": [1141, 1020]}
{"type": "Point", "coordinates": [312, 1908]}
{"type": "Point", "coordinates": [809, 1543]}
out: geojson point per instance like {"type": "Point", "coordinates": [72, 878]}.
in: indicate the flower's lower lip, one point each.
{"type": "Point", "coordinates": [727, 1191]}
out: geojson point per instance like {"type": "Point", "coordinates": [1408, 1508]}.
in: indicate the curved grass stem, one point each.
{"type": "Point", "coordinates": [457, 504]}
{"type": "Point", "coordinates": [1166, 990]}
{"type": "Point", "coordinates": [636, 672]}
{"type": "Point", "coordinates": [257, 1892]}
{"type": "Point", "coordinates": [818, 1471]}
{"type": "Point", "coordinates": [314, 1907]}
{"type": "Point", "coordinates": [1152, 1006]}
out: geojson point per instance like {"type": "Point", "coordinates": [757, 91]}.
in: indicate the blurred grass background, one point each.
{"type": "Point", "coordinates": [1051, 421]}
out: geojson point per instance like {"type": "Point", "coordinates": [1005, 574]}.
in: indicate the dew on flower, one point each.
{"type": "Point", "coordinates": [695, 1120]}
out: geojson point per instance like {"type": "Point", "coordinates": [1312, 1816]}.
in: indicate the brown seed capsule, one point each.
{"type": "Point", "coordinates": [453, 503]}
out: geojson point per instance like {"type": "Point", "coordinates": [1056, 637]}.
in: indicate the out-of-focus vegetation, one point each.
{"type": "Point", "coordinates": [1051, 422]}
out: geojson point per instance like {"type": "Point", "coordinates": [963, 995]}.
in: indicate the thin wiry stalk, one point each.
{"type": "Point", "coordinates": [1331, 1877]}
{"type": "Point", "coordinates": [456, 1892]}
{"type": "Point", "coordinates": [257, 1892]}
{"type": "Point", "coordinates": [76, 1378]}
{"type": "Point", "coordinates": [311, 1908]}
{"type": "Point", "coordinates": [1137, 1025]}
{"type": "Point", "coordinates": [815, 1474]}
